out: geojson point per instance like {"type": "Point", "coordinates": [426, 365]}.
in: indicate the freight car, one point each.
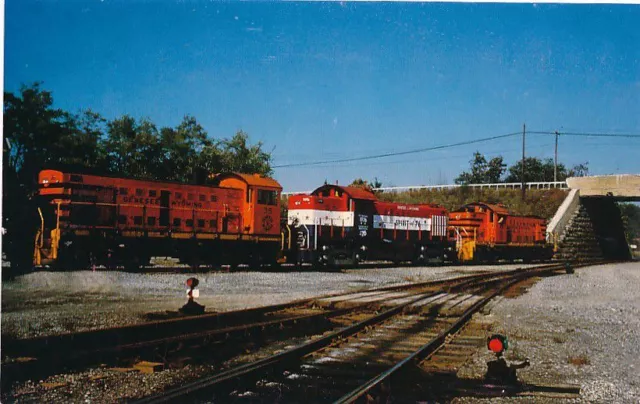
{"type": "Point", "coordinates": [88, 219]}
{"type": "Point", "coordinates": [486, 232]}
{"type": "Point", "coordinates": [345, 225]}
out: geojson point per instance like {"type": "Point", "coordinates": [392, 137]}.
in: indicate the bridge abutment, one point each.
{"type": "Point", "coordinates": [588, 225]}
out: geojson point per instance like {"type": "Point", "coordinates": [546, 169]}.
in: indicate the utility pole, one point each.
{"type": "Point", "coordinates": [555, 165]}
{"type": "Point", "coordinates": [524, 130]}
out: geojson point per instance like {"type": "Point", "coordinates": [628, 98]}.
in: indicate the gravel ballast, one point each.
{"type": "Point", "coordinates": [45, 303]}
{"type": "Point", "coordinates": [576, 329]}
{"type": "Point", "coordinates": [579, 329]}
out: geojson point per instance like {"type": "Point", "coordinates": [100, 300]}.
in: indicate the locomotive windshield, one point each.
{"type": "Point", "coordinates": [266, 197]}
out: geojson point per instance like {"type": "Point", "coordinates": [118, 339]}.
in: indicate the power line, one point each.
{"type": "Point", "coordinates": [486, 139]}
{"type": "Point", "coordinates": [625, 135]}
{"type": "Point", "coordinates": [377, 156]}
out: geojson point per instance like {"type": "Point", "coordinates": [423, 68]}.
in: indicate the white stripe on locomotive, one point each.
{"type": "Point", "coordinates": [401, 223]}
{"type": "Point", "coordinates": [321, 217]}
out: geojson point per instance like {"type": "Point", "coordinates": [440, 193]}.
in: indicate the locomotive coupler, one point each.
{"type": "Point", "coordinates": [191, 307]}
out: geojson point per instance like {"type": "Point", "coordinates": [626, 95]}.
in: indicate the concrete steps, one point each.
{"type": "Point", "coordinates": [595, 231]}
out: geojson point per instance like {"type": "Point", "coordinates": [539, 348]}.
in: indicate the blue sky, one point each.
{"type": "Point", "coordinates": [318, 81]}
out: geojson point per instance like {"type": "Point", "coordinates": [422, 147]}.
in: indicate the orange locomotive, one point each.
{"type": "Point", "coordinates": [486, 232]}
{"type": "Point", "coordinates": [88, 219]}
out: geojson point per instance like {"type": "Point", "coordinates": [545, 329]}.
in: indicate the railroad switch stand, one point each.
{"type": "Point", "coordinates": [191, 307]}
{"type": "Point", "coordinates": [498, 370]}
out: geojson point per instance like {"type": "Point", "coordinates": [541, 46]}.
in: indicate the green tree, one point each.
{"type": "Point", "coordinates": [368, 185]}
{"type": "Point", "coordinates": [579, 170]}
{"type": "Point", "coordinates": [87, 143]}
{"type": "Point", "coordinates": [37, 132]}
{"type": "Point", "coordinates": [482, 171]}
{"type": "Point", "coordinates": [536, 170]}
{"type": "Point", "coordinates": [182, 148]}
{"type": "Point", "coordinates": [38, 136]}
{"type": "Point", "coordinates": [121, 133]}
{"type": "Point", "coordinates": [239, 156]}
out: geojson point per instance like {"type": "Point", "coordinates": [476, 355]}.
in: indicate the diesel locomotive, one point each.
{"type": "Point", "coordinates": [90, 220]}
{"type": "Point", "coordinates": [345, 225]}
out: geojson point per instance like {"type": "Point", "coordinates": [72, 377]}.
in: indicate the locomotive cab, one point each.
{"type": "Point", "coordinates": [261, 208]}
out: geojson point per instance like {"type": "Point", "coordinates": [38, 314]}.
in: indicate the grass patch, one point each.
{"type": "Point", "coordinates": [559, 339]}
{"type": "Point", "coordinates": [543, 203]}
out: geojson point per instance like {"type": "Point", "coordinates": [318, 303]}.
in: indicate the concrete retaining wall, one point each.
{"type": "Point", "coordinates": [565, 212]}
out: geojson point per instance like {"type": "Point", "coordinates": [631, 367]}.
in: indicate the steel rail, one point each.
{"type": "Point", "coordinates": [70, 352]}
{"type": "Point", "coordinates": [119, 335]}
{"type": "Point", "coordinates": [437, 341]}
{"type": "Point", "coordinates": [426, 349]}
{"type": "Point", "coordinates": [313, 346]}
{"type": "Point", "coordinates": [292, 354]}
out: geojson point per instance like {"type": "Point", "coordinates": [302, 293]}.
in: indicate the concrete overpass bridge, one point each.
{"type": "Point", "coordinates": [620, 187]}
{"type": "Point", "coordinates": [588, 223]}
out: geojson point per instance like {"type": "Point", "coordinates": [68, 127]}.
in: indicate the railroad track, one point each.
{"type": "Point", "coordinates": [36, 358]}
{"type": "Point", "coordinates": [362, 359]}
{"type": "Point", "coordinates": [287, 267]}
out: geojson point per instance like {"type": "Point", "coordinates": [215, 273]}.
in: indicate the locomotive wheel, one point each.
{"type": "Point", "coordinates": [355, 260]}
{"type": "Point", "coordinates": [73, 260]}
{"type": "Point", "coordinates": [255, 262]}
{"type": "Point", "coordinates": [275, 267]}
{"type": "Point", "coordinates": [132, 264]}
{"type": "Point", "coordinates": [194, 264]}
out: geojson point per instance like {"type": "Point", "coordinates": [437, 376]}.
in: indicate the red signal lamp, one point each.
{"type": "Point", "coordinates": [497, 343]}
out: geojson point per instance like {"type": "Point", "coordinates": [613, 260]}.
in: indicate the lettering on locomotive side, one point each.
{"type": "Point", "coordinates": [401, 223]}
{"type": "Point", "coordinates": [143, 201]}
{"type": "Point", "coordinates": [363, 225]}
{"type": "Point", "coordinates": [403, 207]}
{"type": "Point", "coordinates": [156, 201]}
{"type": "Point", "coordinates": [189, 204]}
